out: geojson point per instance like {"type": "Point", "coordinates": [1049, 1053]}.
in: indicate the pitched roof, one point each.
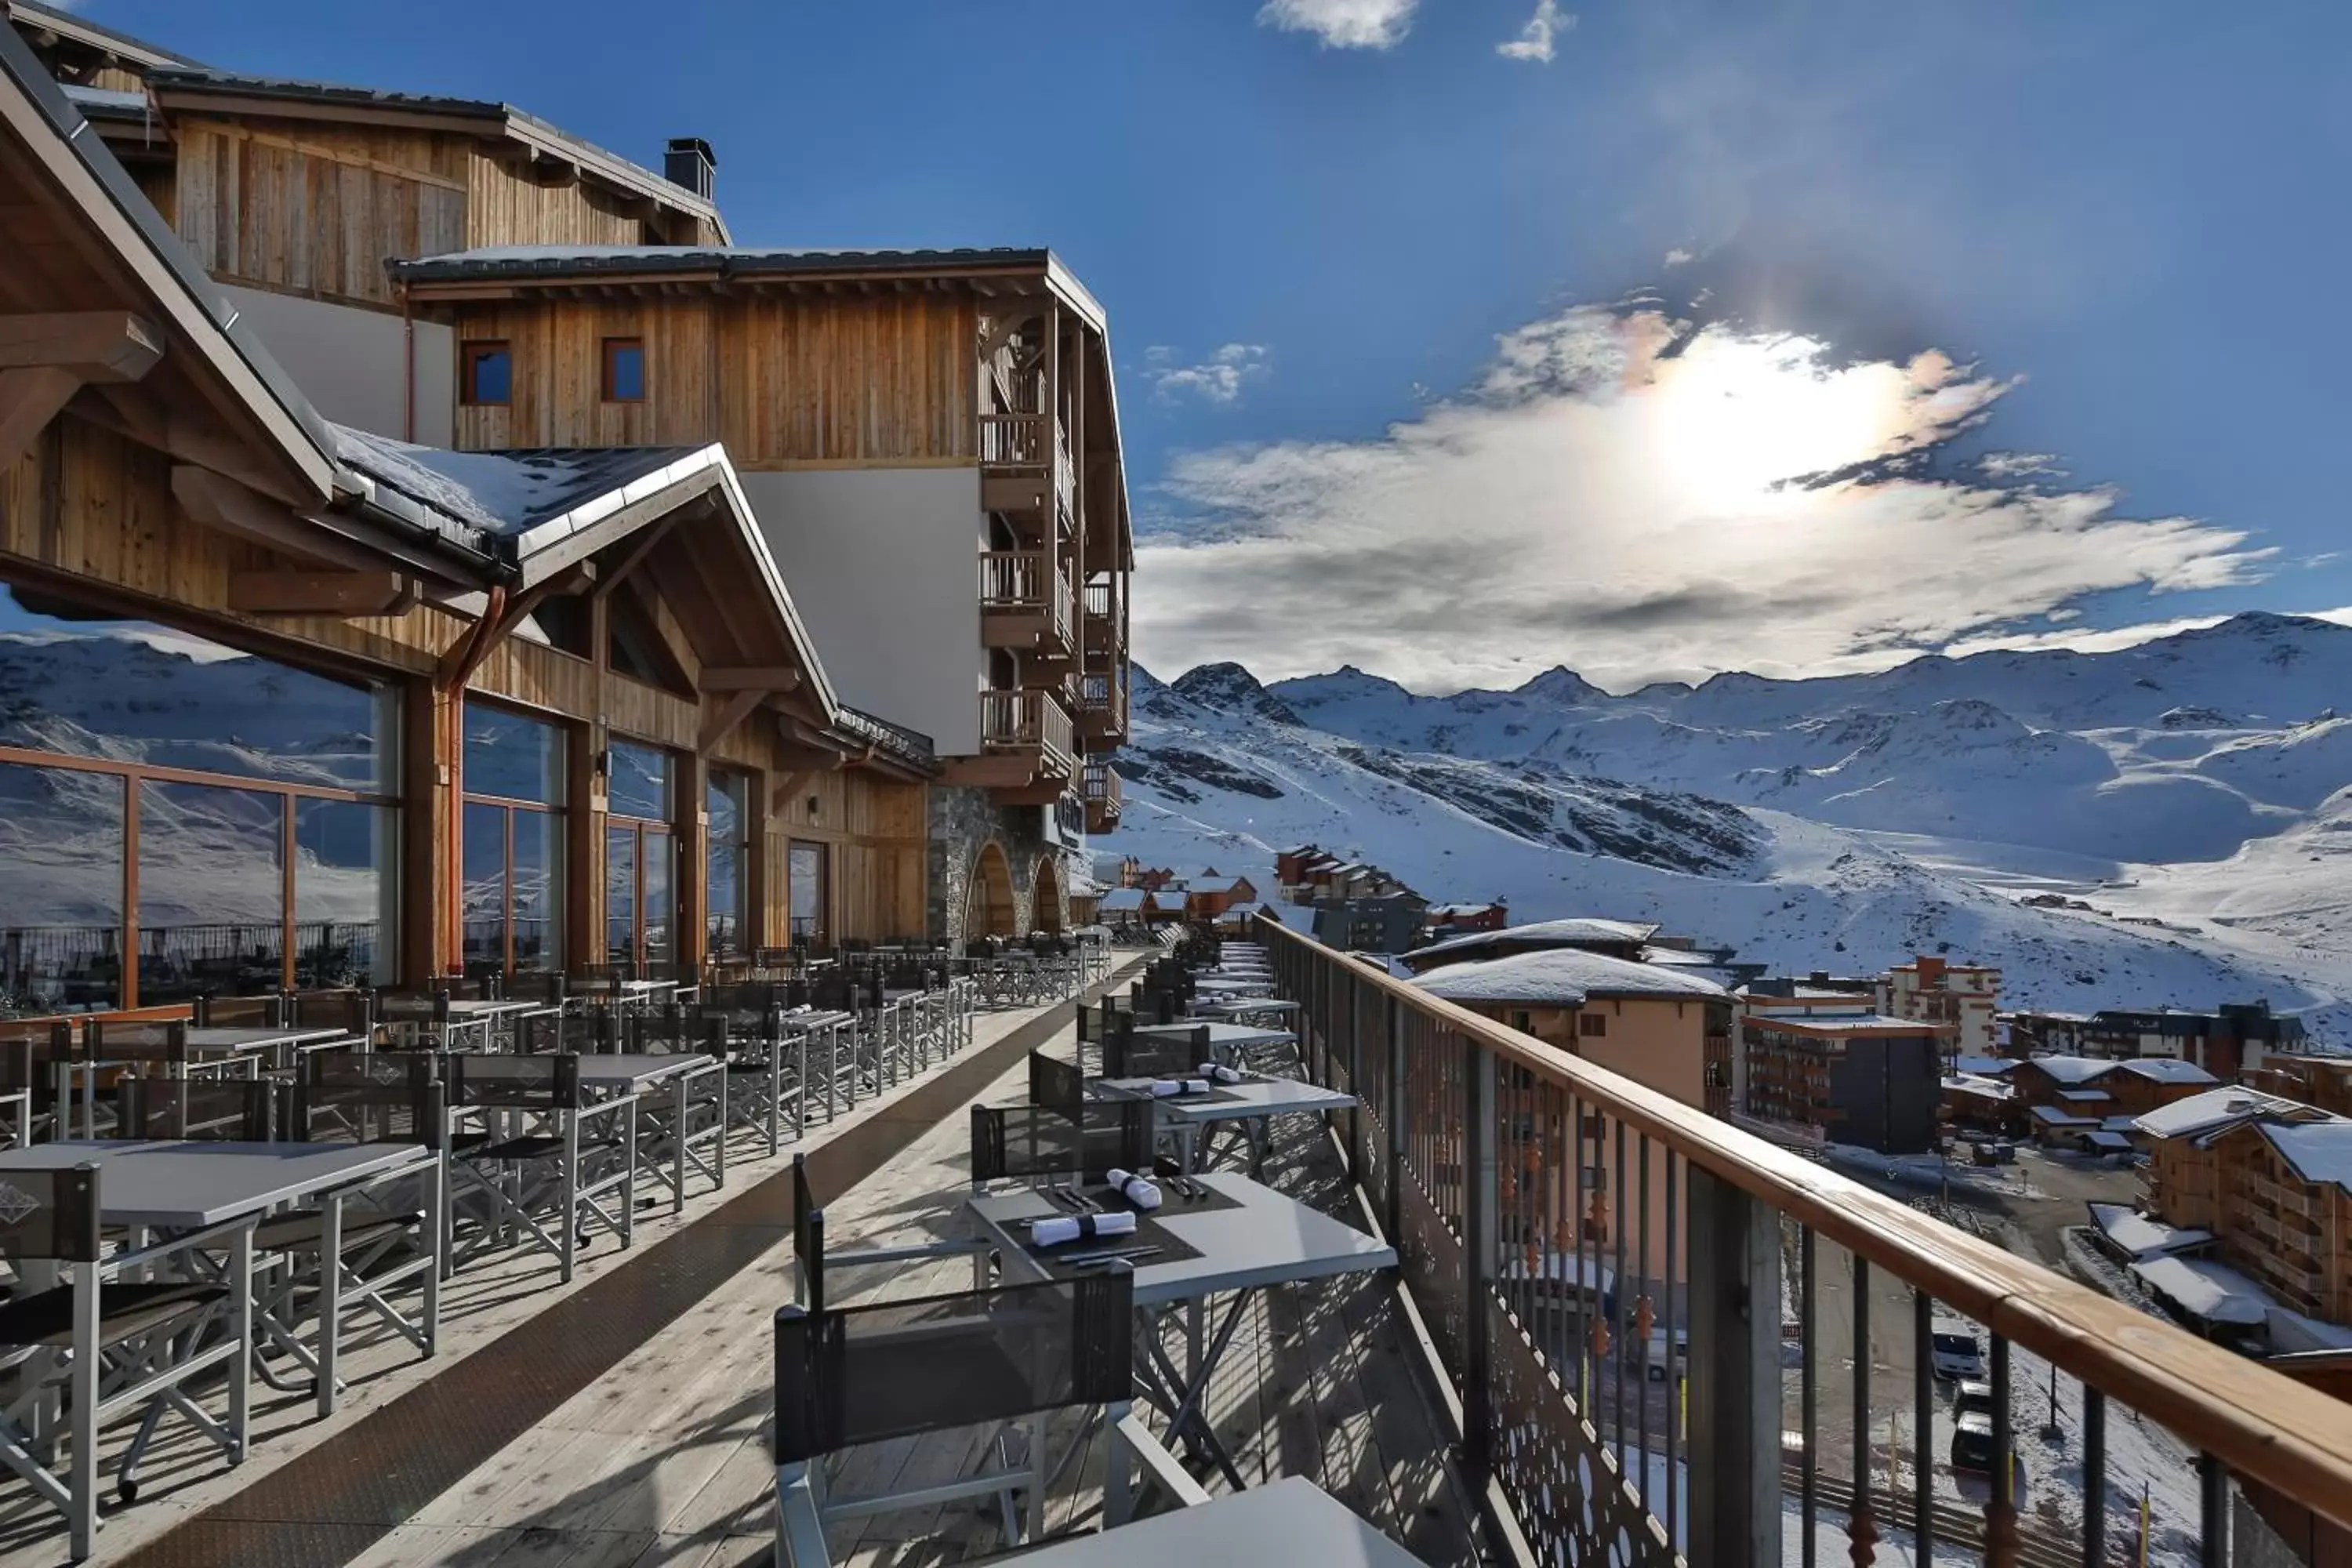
{"type": "Point", "coordinates": [1577, 933]}
{"type": "Point", "coordinates": [2217, 1109]}
{"type": "Point", "coordinates": [2165, 1070]}
{"type": "Point", "coordinates": [1562, 977]}
{"type": "Point", "coordinates": [2318, 1151]}
{"type": "Point", "coordinates": [81, 30]}
{"type": "Point", "coordinates": [2073, 1070]}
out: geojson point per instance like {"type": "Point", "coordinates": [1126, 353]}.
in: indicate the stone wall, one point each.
{"type": "Point", "coordinates": [963, 821]}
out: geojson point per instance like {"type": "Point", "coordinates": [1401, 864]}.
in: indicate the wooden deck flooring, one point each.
{"type": "Point", "coordinates": [664, 1461]}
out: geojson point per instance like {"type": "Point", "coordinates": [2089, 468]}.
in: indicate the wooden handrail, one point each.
{"type": "Point", "coordinates": [2291, 1437]}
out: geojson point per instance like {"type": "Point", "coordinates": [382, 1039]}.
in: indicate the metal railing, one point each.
{"type": "Point", "coordinates": [1020, 720]}
{"type": "Point", "coordinates": [1552, 1304]}
{"type": "Point", "coordinates": [1027, 581]}
{"type": "Point", "coordinates": [1102, 790]}
{"type": "Point", "coordinates": [1102, 697]}
{"type": "Point", "coordinates": [1014, 440]}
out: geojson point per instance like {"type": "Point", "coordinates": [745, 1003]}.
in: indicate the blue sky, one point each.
{"type": "Point", "coordinates": [2136, 209]}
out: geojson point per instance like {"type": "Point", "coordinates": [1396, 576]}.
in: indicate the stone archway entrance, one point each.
{"type": "Point", "coordinates": [988, 908]}
{"type": "Point", "coordinates": [1045, 896]}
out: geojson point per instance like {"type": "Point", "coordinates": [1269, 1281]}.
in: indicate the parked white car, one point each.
{"type": "Point", "coordinates": [1957, 1356]}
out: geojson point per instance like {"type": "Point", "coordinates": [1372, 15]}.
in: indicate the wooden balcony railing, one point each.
{"type": "Point", "coordinates": [1029, 721]}
{"type": "Point", "coordinates": [1015, 440]}
{"type": "Point", "coordinates": [1102, 700]}
{"type": "Point", "coordinates": [1574, 1432]}
{"type": "Point", "coordinates": [1102, 790]}
{"type": "Point", "coordinates": [1027, 582]}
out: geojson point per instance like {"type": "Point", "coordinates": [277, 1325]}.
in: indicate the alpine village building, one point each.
{"type": "Point", "coordinates": [429, 542]}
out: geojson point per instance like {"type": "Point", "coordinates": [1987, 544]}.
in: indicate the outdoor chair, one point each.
{"type": "Point", "coordinates": [810, 1251]}
{"type": "Point", "coordinates": [686, 1117]}
{"type": "Point", "coordinates": [534, 1153]}
{"type": "Point", "coordinates": [1039, 1142]}
{"type": "Point", "coordinates": [765, 1068]}
{"type": "Point", "coordinates": [240, 1011]}
{"type": "Point", "coordinates": [1127, 1054]}
{"type": "Point", "coordinates": [113, 1341]}
{"type": "Point", "coordinates": [412, 1021]}
{"type": "Point", "coordinates": [357, 1097]}
{"type": "Point", "coordinates": [1058, 1085]}
{"type": "Point", "coordinates": [233, 1110]}
{"type": "Point", "coordinates": [36, 1057]}
{"type": "Point", "coordinates": [1004, 1358]}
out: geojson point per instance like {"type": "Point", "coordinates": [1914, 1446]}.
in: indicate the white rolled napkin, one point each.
{"type": "Point", "coordinates": [1220, 1073]}
{"type": "Point", "coordinates": [1072, 1226]}
{"type": "Point", "coordinates": [1163, 1088]}
{"type": "Point", "coordinates": [1139, 1190]}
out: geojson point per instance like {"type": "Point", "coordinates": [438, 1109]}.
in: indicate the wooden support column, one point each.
{"type": "Point", "coordinates": [690, 830]}
{"type": "Point", "coordinates": [429, 825]}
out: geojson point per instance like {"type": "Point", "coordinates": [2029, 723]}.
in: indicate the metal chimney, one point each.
{"type": "Point", "coordinates": [689, 163]}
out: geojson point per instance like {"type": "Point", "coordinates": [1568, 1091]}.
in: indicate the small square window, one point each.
{"type": "Point", "coordinates": [487, 374]}
{"type": "Point", "coordinates": [625, 370]}
{"type": "Point", "coordinates": [1591, 1024]}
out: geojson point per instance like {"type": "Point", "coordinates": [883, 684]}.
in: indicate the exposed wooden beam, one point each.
{"type": "Point", "coordinates": [466, 654]}
{"type": "Point", "coordinates": [756, 677]}
{"type": "Point", "coordinates": [93, 345]}
{"type": "Point", "coordinates": [638, 550]}
{"type": "Point", "coordinates": [317, 593]}
{"type": "Point", "coordinates": [220, 503]}
{"type": "Point", "coordinates": [29, 399]}
{"type": "Point", "coordinates": [733, 711]}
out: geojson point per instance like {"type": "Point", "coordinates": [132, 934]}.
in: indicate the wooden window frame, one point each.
{"type": "Point", "coordinates": [470, 353]}
{"type": "Point", "coordinates": [1591, 1025]}
{"type": "Point", "coordinates": [607, 381]}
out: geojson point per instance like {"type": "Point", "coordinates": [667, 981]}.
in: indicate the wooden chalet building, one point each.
{"type": "Point", "coordinates": [292, 692]}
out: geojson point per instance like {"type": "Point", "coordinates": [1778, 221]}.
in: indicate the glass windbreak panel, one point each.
{"type": "Point", "coordinates": [485, 884]}
{"type": "Point", "coordinates": [212, 892]}
{"type": "Point", "coordinates": [620, 895]}
{"type": "Point", "coordinates": [538, 905]}
{"type": "Point", "coordinates": [657, 850]}
{"type": "Point", "coordinates": [345, 872]}
{"type": "Point", "coordinates": [61, 844]}
{"type": "Point", "coordinates": [128, 691]}
{"type": "Point", "coordinates": [807, 874]}
{"type": "Point", "coordinates": [730, 885]}
{"type": "Point", "coordinates": [512, 757]}
{"type": "Point", "coordinates": [640, 782]}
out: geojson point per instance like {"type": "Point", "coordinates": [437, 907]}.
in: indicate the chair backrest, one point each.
{"type": "Point", "coordinates": [1057, 1083]}
{"type": "Point", "coordinates": [536, 1034]}
{"type": "Point", "coordinates": [1131, 1055]}
{"type": "Point", "coordinates": [896, 1369]}
{"type": "Point", "coordinates": [350, 1010]}
{"type": "Point", "coordinates": [216, 1110]}
{"type": "Point", "coordinates": [144, 1037]}
{"type": "Point", "coordinates": [367, 1096]}
{"type": "Point", "coordinates": [749, 1008]}
{"type": "Point", "coordinates": [410, 1008]}
{"type": "Point", "coordinates": [672, 1030]}
{"type": "Point", "coordinates": [28, 1048]}
{"type": "Point", "coordinates": [50, 1212]}
{"type": "Point", "coordinates": [478, 1080]}
{"type": "Point", "coordinates": [808, 1235]}
{"type": "Point", "coordinates": [241, 1012]}
{"type": "Point", "coordinates": [1019, 1141]}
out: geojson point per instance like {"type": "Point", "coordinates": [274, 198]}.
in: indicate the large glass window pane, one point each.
{"type": "Point", "coordinates": [655, 849]}
{"type": "Point", "coordinates": [729, 894]}
{"type": "Point", "coordinates": [537, 890]}
{"type": "Point", "coordinates": [345, 872]}
{"type": "Point", "coordinates": [640, 780]}
{"type": "Point", "coordinates": [807, 874]}
{"type": "Point", "coordinates": [128, 691]}
{"type": "Point", "coordinates": [61, 889]}
{"type": "Point", "coordinates": [212, 892]}
{"type": "Point", "coordinates": [512, 757]}
{"type": "Point", "coordinates": [485, 884]}
{"type": "Point", "coordinates": [620, 895]}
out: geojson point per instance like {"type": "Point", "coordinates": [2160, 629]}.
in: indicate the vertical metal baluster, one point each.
{"type": "Point", "coordinates": [1581, 1274]}
{"type": "Point", "coordinates": [2095, 1478]}
{"type": "Point", "coordinates": [2001, 1505]}
{"type": "Point", "coordinates": [1645, 1319]}
{"type": "Point", "coordinates": [1556, 1269]}
{"type": "Point", "coordinates": [2212, 1511]}
{"type": "Point", "coordinates": [1862, 1526]}
{"type": "Point", "coordinates": [1616, 1320]}
{"type": "Point", "coordinates": [1673, 1371]}
{"type": "Point", "coordinates": [1809, 1460]}
{"type": "Point", "coordinates": [1923, 1427]}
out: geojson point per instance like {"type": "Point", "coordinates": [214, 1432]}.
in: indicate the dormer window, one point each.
{"type": "Point", "coordinates": [625, 370]}
{"type": "Point", "coordinates": [487, 374]}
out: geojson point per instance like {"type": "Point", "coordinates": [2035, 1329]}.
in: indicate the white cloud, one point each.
{"type": "Point", "coordinates": [1343, 24]}
{"type": "Point", "coordinates": [1535, 39]}
{"type": "Point", "coordinates": [1679, 256]}
{"type": "Point", "coordinates": [1218, 379]}
{"type": "Point", "coordinates": [2088, 639]}
{"type": "Point", "coordinates": [1639, 505]}
{"type": "Point", "coordinates": [2007, 466]}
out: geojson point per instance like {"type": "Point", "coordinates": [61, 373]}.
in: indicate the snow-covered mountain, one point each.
{"type": "Point", "coordinates": [2200, 781]}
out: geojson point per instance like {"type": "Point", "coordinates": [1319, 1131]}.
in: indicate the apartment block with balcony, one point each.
{"type": "Point", "coordinates": [1937, 991]}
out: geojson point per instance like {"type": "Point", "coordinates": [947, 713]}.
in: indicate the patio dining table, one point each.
{"type": "Point", "coordinates": [1251, 1105]}
{"type": "Point", "coordinates": [1288, 1521]}
{"type": "Point", "coordinates": [1228, 1042]}
{"type": "Point", "coordinates": [1240, 1238]}
{"type": "Point", "coordinates": [644, 1076]}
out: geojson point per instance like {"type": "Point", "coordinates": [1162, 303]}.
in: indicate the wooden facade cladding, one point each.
{"type": "Point", "coordinates": [304, 207]}
{"type": "Point", "coordinates": [90, 515]}
{"type": "Point", "coordinates": [784, 381]}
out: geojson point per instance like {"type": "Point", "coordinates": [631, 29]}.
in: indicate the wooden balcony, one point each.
{"type": "Point", "coordinates": [1026, 604]}
{"type": "Point", "coordinates": [1025, 466]}
{"type": "Point", "coordinates": [1102, 707]}
{"type": "Point", "coordinates": [1102, 792]}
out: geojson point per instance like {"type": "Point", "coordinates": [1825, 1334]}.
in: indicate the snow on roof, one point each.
{"type": "Point", "coordinates": [1969, 1083]}
{"type": "Point", "coordinates": [491, 260]}
{"type": "Point", "coordinates": [1563, 977]}
{"type": "Point", "coordinates": [1679, 957]}
{"type": "Point", "coordinates": [1122, 898]}
{"type": "Point", "coordinates": [104, 100]}
{"type": "Point", "coordinates": [2075, 1070]}
{"type": "Point", "coordinates": [2215, 1109]}
{"type": "Point", "coordinates": [1553, 933]}
{"type": "Point", "coordinates": [2059, 1116]}
{"type": "Point", "coordinates": [1985, 1067]}
{"type": "Point", "coordinates": [2167, 1070]}
{"type": "Point", "coordinates": [2204, 1291]}
{"type": "Point", "coordinates": [2141, 1235]}
{"type": "Point", "coordinates": [2112, 1142]}
{"type": "Point", "coordinates": [1213, 884]}
{"type": "Point", "coordinates": [2084, 1096]}
{"type": "Point", "coordinates": [502, 494]}
{"type": "Point", "coordinates": [2319, 1151]}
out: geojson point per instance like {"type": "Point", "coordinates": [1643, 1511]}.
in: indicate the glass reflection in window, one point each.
{"type": "Point", "coordinates": [640, 782]}
{"type": "Point", "coordinates": [61, 845]}
{"type": "Point", "coordinates": [212, 892]}
{"type": "Point", "coordinates": [512, 757]}
{"type": "Point", "coordinates": [807, 868]}
{"type": "Point", "coordinates": [344, 852]}
{"type": "Point", "coordinates": [727, 804]}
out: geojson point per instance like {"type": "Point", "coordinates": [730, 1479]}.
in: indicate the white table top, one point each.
{"type": "Point", "coordinates": [472, 1010]}
{"type": "Point", "coordinates": [1224, 1037]}
{"type": "Point", "coordinates": [1270, 1239]}
{"type": "Point", "coordinates": [188, 1186]}
{"type": "Point", "coordinates": [1291, 1520]}
{"type": "Point", "coordinates": [1245, 1005]}
{"type": "Point", "coordinates": [1240, 1102]}
{"type": "Point", "coordinates": [634, 1071]}
{"type": "Point", "coordinates": [234, 1040]}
